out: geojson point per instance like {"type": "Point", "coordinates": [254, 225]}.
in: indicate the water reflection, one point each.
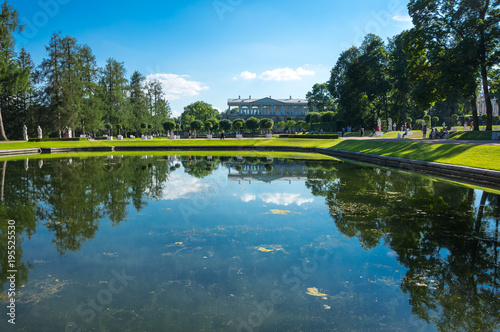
{"type": "Point", "coordinates": [445, 236]}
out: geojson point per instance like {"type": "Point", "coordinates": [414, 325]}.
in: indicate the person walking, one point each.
{"type": "Point", "coordinates": [222, 134]}
{"type": "Point", "coordinates": [424, 131]}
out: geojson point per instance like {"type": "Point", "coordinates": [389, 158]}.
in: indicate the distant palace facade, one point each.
{"type": "Point", "coordinates": [275, 109]}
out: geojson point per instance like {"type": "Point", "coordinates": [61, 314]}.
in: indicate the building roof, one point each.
{"type": "Point", "coordinates": [266, 100]}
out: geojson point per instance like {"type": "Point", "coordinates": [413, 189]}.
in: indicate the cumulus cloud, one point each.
{"type": "Point", "coordinates": [179, 187]}
{"type": "Point", "coordinates": [286, 74]}
{"type": "Point", "coordinates": [402, 18]}
{"type": "Point", "coordinates": [178, 86]}
{"type": "Point", "coordinates": [246, 75]}
{"type": "Point", "coordinates": [248, 198]}
{"type": "Point", "coordinates": [285, 199]}
{"type": "Point", "coordinates": [279, 74]}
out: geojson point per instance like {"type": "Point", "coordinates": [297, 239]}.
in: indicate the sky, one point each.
{"type": "Point", "coordinates": [214, 50]}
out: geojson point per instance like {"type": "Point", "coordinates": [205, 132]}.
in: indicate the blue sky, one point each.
{"type": "Point", "coordinates": [212, 50]}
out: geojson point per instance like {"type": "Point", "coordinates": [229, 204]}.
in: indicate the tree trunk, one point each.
{"type": "Point", "coordinates": [83, 127]}
{"type": "Point", "coordinates": [3, 180]}
{"type": "Point", "coordinates": [473, 104]}
{"type": "Point", "coordinates": [484, 72]}
{"type": "Point", "coordinates": [2, 130]}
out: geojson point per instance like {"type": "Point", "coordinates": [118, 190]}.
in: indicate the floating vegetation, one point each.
{"type": "Point", "coordinates": [178, 243]}
{"type": "Point", "coordinates": [269, 248]}
{"type": "Point", "coordinates": [313, 291]}
{"type": "Point", "coordinates": [327, 307]}
{"type": "Point", "coordinates": [281, 212]}
{"type": "Point", "coordinates": [110, 254]}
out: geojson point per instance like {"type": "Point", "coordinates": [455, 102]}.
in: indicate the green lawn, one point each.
{"type": "Point", "coordinates": [480, 156]}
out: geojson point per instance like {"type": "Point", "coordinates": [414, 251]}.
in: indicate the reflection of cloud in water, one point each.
{"type": "Point", "coordinates": [392, 254]}
{"type": "Point", "coordinates": [178, 187]}
{"type": "Point", "coordinates": [248, 198]}
{"type": "Point", "coordinates": [285, 199]}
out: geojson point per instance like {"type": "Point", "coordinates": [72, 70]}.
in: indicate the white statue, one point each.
{"type": "Point", "coordinates": [70, 133]}
{"type": "Point", "coordinates": [25, 133]}
{"type": "Point", "coordinates": [389, 125]}
{"type": "Point", "coordinates": [39, 130]}
{"type": "Point", "coordinates": [379, 125]}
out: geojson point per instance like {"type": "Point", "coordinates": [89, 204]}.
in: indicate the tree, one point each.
{"type": "Point", "coordinates": [427, 119]}
{"type": "Point", "coordinates": [108, 126]}
{"type": "Point", "coordinates": [476, 24]}
{"type": "Point", "coordinates": [196, 125]}
{"type": "Point", "coordinates": [226, 125]}
{"type": "Point", "coordinates": [313, 117]}
{"type": "Point", "coordinates": [238, 125]}
{"type": "Point", "coordinates": [454, 118]}
{"type": "Point", "coordinates": [208, 125]}
{"type": "Point", "coordinates": [290, 124]}
{"type": "Point", "coordinates": [8, 67]}
{"type": "Point", "coordinates": [252, 124]}
{"type": "Point", "coordinates": [158, 109]}
{"type": "Point", "coordinates": [435, 119]}
{"type": "Point", "coordinates": [199, 110]}
{"type": "Point", "coordinates": [320, 99]}
{"type": "Point", "coordinates": [327, 117]}
{"type": "Point", "coordinates": [114, 89]}
{"type": "Point", "coordinates": [496, 119]}
{"type": "Point", "coordinates": [91, 107]}
{"type": "Point", "coordinates": [119, 127]}
{"type": "Point", "coordinates": [302, 125]}
{"type": "Point", "coordinates": [281, 125]}
{"type": "Point", "coordinates": [169, 125]}
{"type": "Point", "coordinates": [215, 124]}
{"type": "Point", "coordinates": [137, 100]}
{"type": "Point", "coordinates": [266, 123]}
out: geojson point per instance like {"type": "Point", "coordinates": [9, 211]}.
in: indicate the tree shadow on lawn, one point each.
{"type": "Point", "coordinates": [409, 150]}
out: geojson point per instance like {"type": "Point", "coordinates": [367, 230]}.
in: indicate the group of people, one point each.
{"type": "Point", "coordinates": [435, 134]}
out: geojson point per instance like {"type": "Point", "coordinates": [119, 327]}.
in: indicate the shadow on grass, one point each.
{"type": "Point", "coordinates": [410, 150]}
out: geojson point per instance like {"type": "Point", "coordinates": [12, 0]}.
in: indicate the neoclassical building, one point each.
{"type": "Point", "coordinates": [481, 105]}
{"type": "Point", "coordinates": [275, 109]}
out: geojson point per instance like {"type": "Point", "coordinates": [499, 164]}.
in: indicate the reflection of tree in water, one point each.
{"type": "Point", "coordinates": [200, 167]}
{"type": "Point", "coordinates": [71, 196]}
{"type": "Point", "coordinates": [449, 246]}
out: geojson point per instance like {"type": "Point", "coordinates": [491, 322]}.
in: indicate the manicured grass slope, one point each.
{"type": "Point", "coordinates": [480, 156]}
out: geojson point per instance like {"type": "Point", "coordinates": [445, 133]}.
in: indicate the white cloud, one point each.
{"type": "Point", "coordinates": [178, 86]}
{"type": "Point", "coordinates": [248, 198]}
{"type": "Point", "coordinates": [285, 199]}
{"type": "Point", "coordinates": [180, 186]}
{"type": "Point", "coordinates": [246, 75]}
{"type": "Point", "coordinates": [279, 74]}
{"type": "Point", "coordinates": [286, 74]}
{"type": "Point", "coordinates": [402, 18]}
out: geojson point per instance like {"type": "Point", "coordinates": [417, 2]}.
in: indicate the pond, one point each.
{"type": "Point", "coordinates": [243, 243]}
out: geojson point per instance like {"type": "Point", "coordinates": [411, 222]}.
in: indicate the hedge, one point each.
{"type": "Point", "coordinates": [75, 139]}
{"type": "Point", "coordinates": [326, 136]}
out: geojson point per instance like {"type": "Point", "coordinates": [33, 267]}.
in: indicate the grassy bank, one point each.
{"type": "Point", "coordinates": [480, 156]}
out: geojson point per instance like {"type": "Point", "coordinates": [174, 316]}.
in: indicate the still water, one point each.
{"type": "Point", "coordinates": [185, 243]}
